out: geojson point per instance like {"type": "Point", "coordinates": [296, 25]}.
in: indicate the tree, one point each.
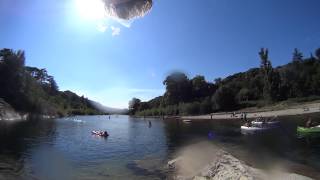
{"type": "Point", "coordinates": [200, 88]}
{"type": "Point", "coordinates": [243, 94]}
{"type": "Point", "coordinates": [317, 53]}
{"type": "Point", "coordinates": [178, 88]}
{"type": "Point", "coordinates": [297, 56]}
{"type": "Point", "coordinates": [134, 105]}
{"type": "Point", "coordinates": [266, 70]}
{"type": "Point", "coordinates": [218, 81]}
{"type": "Point", "coordinates": [53, 85]}
{"type": "Point", "coordinates": [224, 99]}
{"type": "Point", "coordinates": [13, 81]}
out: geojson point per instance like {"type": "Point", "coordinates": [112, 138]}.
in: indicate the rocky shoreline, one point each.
{"type": "Point", "coordinates": [7, 113]}
{"type": "Point", "coordinates": [220, 165]}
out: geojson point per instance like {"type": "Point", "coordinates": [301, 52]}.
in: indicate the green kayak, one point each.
{"type": "Point", "coordinates": [313, 130]}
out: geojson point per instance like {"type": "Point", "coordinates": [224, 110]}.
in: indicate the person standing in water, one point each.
{"type": "Point", "coordinates": [150, 125]}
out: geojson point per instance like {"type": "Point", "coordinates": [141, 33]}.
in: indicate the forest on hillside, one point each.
{"type": "Point", "coordinates": [297, 80]}
{"type": "Point", "coordinates": [33, 90]}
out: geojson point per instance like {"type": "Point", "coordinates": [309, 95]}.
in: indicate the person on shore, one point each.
{"type": "Point", "coordinates": [309, 123]}
{"type": "Point", "coordinates": [247, 121]}
{"type": "Point", "coordinates": [248, 124]}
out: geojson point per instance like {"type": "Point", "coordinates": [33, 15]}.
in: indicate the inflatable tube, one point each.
{"type": "Point", "coordinates": [99, 133]}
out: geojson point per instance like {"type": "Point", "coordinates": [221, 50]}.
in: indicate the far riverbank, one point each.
{"type": "Point", "coordinates": [301, 109]}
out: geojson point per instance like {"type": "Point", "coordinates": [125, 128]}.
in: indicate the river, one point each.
{"type": "Point", "coordinates": [64, 148]}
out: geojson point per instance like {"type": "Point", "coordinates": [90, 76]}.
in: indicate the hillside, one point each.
{"type": "Point", "coordinates": [30, 90]}
{"type": "Point", "coordinates": [299, 80]}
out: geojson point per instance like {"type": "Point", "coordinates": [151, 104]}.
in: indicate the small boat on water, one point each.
{"type": "Point", "coordinates": [187, 121]}
{"type": "Point", "coordinates": [100, 133]}
{"type": "Point", "coordinates": [254, 130]}
{"type": "Point", "coordinates": [263, 122]}
{"type": "Point", "coordinates": [267, 123]}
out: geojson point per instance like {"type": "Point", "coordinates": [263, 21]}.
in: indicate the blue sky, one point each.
{"type": "Point", "coordinates": [111, 61]}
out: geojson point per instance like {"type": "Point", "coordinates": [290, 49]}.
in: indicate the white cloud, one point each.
{"type": "Point", "coordinates": [115, 31]}
{"type": "Point", "coordinates": [102, 27]}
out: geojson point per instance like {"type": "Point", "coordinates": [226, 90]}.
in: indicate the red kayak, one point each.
{"type": "Point", "coordinates": [100, 133]}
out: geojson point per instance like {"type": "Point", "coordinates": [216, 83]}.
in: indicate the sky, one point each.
{"type": "Point", "coordinates": [112, 61]}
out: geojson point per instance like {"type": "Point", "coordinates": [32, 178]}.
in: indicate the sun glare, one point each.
{"type": "Point", "coordinates": [91, 9]}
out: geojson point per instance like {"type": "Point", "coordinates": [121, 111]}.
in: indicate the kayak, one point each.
{"type": "Point", "coordinates": [254, 130]}
{"type": "Point", "coordinates": [312, 130]}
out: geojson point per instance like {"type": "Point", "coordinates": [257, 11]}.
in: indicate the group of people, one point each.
{"type": "Point", "coordinates": [242, 116]}
{"type": "Point", "coordinates": [261, 119]}
{"type": "Point", "coordinates": [100, 133]}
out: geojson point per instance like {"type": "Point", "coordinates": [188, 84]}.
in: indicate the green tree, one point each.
{"type": "Point", "coordinates": [53, 85]}
{"type": "Point", "coordinates": [178, 88]}
{"type": "Point", "coordinates": [134, 105]}
{"type": "Point", "coordinates": [224, 99]}
{"type": "Point", "coordinates": [266, 70]}
{"type": "Point", "coordinates": [13, 81]}
{"type": "Point", "coordinates": [243, 95]}
{"type": "Point", "coordinates": [200, 88]}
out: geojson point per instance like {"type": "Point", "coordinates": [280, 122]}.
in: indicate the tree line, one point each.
{"type": "Point", "coordinates": [297, 80]}
{"type": "Point", "coordinates": [33, 90]}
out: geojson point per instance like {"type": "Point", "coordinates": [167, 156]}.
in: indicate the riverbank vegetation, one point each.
{"type": "Point", "coordinates": [33, 90]}
{"type": "Point", "coordinates": [299, 80]}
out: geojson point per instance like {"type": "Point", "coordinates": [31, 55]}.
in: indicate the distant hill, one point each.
{"type": "Point", "coordinates": [107, 109]}
{"type": "Point", "coordinates": [30, 90]}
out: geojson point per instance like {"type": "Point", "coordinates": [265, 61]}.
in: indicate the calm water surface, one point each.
{"type": "Point", "coordinates": [65, 149]}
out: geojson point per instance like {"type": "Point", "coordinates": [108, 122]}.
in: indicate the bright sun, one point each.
{"type": "Point", "coordinates": [91, 9]}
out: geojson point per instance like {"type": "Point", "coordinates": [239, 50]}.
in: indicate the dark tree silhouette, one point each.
{"type": "Point", "coordinates": [317, 53]}
{"type": "Point", "coordinates": [297, 56]}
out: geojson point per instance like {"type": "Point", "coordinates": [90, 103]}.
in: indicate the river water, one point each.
{"type": "Point", "coordinates": [65, 149]}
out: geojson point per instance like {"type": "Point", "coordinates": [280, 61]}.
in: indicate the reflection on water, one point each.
{"type": "Point", "coordinates": [65, 149]}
